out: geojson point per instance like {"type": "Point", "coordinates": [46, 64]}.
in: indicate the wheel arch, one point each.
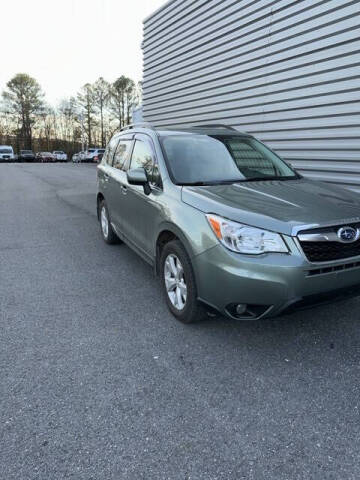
{"type": "Point", "coordinates": [168, 233]}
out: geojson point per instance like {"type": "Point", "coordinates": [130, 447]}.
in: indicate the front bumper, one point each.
{"type": "Point", "coordinates": [278, 282]}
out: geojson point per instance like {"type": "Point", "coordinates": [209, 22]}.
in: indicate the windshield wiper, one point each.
{"type": "Point", "coordinates": [257, 179]}
{"type": "Point", "coordinates": [210, 183]}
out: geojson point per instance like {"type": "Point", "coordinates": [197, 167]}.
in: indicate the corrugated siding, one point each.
{"type": "Point", "coordinates": [285, 71]}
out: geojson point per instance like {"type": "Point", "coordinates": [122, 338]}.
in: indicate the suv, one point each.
{"type": "Point", "coordinates": [226, 223]}
{"type": "Point", "coordinates": [92, 154]}
{"type": "Point", "coordinates": [6, 153]}
{"type": "Point", "coordinates": [26, 155]}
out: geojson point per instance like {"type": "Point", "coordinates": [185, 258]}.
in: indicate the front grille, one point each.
{"type": "Point", "coordinates": [328, 251]}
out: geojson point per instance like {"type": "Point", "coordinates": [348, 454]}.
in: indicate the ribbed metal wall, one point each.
{"type": "Point", "coordinates": [285, 71]}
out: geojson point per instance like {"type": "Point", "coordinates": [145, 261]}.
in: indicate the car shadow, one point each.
{"type": "Point", "coordinates": [305, 336]}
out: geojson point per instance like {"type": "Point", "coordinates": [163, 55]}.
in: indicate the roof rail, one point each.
{"type": "Point", "coordinates": [137, 125]}
{"type": "Point", "coordinates": [215, 125]}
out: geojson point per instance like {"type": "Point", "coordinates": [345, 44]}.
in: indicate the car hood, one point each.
{"type": "Point", "coordinates": [281, 206]}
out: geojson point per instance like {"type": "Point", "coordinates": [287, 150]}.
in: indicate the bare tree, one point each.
{"type": "Point", "coordinates": [102, 93]}
{"type": "Point", "coordinates": [121, 92]}
{"type": "Point", "coordinates": [6, 128]}
{"type": "Point", "coordinates": [130, 99]}
{"type": "Point", "coordinates": [24, 101]}
{"type": "Point", "coordinates": [87, 102]}
{"type": "Point", "coordinates": [67, 114]}
{"type": "Point", "coordinates": [47, 130]}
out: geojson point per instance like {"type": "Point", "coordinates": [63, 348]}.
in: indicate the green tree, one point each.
{"type": "Point", "coordinates": [24, 100]}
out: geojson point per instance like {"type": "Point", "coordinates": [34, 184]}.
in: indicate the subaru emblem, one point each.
{"type": "Point", "coordinates": [348, 234]}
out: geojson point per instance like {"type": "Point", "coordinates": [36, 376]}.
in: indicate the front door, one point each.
{"type": "Point", "coordinates": [140, 215]}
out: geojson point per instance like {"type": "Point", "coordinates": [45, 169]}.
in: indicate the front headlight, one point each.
{"type": "Point", "coordinates": [244, 239]}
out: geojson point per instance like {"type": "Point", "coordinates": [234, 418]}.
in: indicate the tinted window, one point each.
{"type": "Point", "coordinates": [204, 159]}
{"type": "Point", "coordinates": [101, 150]}
{"type": "Point", "coordinates": [109, 152]}
{"type": "Point", "coordinates": [121, 154]}
{"type": "Point", "coordinates": [5, 150]}
{"type": "Point", "coordinates": [142, 157]}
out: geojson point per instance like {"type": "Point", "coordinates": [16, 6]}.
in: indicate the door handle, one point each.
{"type": "Point", "coordinates": [124, 189]}
{"type": "Point", "coordinates": [106, 177]}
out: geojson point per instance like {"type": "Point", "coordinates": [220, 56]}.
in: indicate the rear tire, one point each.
{"type": "Point", "coordinates": [178, 282]}
{"type": "Point", "coordinates": [107, 231]}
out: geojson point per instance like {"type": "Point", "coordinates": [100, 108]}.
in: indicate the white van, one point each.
{"type": "Point", "coordinates": [6, 153]}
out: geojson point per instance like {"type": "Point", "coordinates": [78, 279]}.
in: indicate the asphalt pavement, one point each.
{"type": "Point", "coordinates": [98, 381]}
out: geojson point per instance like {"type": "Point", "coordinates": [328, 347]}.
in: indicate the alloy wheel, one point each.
{"type": "Point", "coordinates": [104, 222]}
{"type": "Point", "coordinates": [175, 281]}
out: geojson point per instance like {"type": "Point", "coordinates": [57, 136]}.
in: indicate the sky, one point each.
{"type": "Point", "coordinates": [64, 44]}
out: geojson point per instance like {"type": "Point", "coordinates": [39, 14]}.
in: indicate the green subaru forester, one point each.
{"type": "Point", "coordinates": [227, 225]}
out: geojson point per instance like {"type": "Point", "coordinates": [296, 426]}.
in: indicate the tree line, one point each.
{"type": "Point", "coordinates": [90, 118]}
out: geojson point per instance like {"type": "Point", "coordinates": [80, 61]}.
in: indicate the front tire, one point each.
{"type": "Point", "coordinates": [107, 231]}
{"type": "Point", "coordinates": [179, 284]}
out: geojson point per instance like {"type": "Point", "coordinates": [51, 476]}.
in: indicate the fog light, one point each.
{"type": "Point", "coordinates": [241, 308]}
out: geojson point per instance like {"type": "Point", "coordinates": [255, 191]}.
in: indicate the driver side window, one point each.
{"type": "Point", "coordinates": [143, 157]}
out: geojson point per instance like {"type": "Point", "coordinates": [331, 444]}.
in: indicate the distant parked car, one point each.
{"type": "Point", "coordinates": [78, 157]}
{"type": "Point", "coordinates": [26, 156]}
{"type": "Point", "coordinates": [45, 157]}
{"type": "Point", "coordinates": [98, 158]}
{"type": "Point", "coordinates": [92, 154]}
{"type": "Point", "coordinates": [60, 156]}
{"type": "Point", "coordinates": [6, 153]}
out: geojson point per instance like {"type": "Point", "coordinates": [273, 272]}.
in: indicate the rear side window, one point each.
{"type": "Point", "coordinates": [110, 149]}
{"type": "Point", "coordinates": [121, 154]}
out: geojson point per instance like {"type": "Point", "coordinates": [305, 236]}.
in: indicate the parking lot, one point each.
{"type": "Point", "coordinates": [98, 381]}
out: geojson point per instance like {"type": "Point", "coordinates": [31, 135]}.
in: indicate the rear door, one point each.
{"type": "Point", "coordinates": [117, 180]}
{"type": "Point", "coordinates": [105, 174]}
{"type": "Point", "coordinates": [140, 212]}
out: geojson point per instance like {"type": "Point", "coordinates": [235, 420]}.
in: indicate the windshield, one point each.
{"type": "Point", "coordinates": [200, 159]}
{"type": "Point", "coordinates": [101, 150]}
{"type": "Point", "coordinates": [5, 150]}
{"type": "Point", "coordinates": [26, 151]}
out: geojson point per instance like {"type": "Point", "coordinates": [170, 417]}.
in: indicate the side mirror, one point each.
{"type": "Point", "coordinates": [138, 176]}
